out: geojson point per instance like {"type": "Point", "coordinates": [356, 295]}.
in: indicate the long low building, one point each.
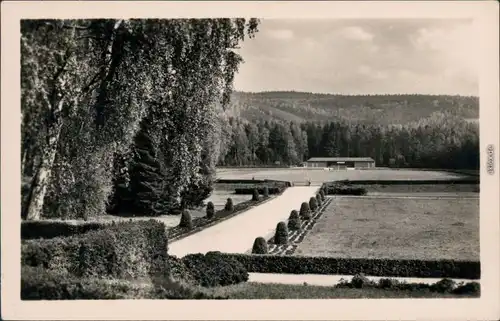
{"type": "Point", "coordinates": [341, 162]}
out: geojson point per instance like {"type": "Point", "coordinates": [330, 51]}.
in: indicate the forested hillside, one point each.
{"type": "Point", "coordinates": [442, 140]}
{"type": "Point", "coordinates": [374, 109]}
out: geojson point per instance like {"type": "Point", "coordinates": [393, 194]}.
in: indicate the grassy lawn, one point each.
{"type": "Point", "coordinates": [257, 291]}
{"type": "Point", "coordinates": [319, 175]}
{"type": "Point", "coordinates": [396, 229]}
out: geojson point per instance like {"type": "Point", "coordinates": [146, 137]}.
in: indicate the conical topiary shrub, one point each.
{"type": "Point", "coordinates": [210, 210]}
{"type": "Point", "coordinates": [294, 221]}
{"type": "Point", "coordinates": [255, 195]}
{"type": "Point", "coordinates": [266, 192]}
{"type": "Point", "coordinates": [229, 205]}
{"type": "Point", "coordinates": [318, 200]}
{"type": "Point", "coordinates": [322, 194]}
{"type": "Point", "coordinates": [305, 212]}
{"type": "Point", "coordinates": [259, 246]}
{"type": "Point", "coordinates": [313, 204]}
{"type": "Point", "coordinates": [186, 221]}
{"type": "Point", "coordinates": [281, 235]}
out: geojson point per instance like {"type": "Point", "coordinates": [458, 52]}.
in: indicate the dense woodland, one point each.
{"type": "Point", "coordinates": [441, 140]}
{"type": "Point", "coordinates": [134, 115]}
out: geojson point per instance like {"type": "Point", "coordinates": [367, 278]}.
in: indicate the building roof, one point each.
{"type": "Point", "coordinates": [341, 159]}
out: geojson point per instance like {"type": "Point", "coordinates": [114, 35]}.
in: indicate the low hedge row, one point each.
{"type": "Point", "coordinates": [249, 190]}
{"type": "Point", "coordinates": [465, 180]}
{"type": "Point", "coordinates": [443, 286]}
{"type": "Point", "coordinates": [51, 229]}
{"type": "Point", "coordinates": [345, 190]}
{"type": "Point", "coordinates": [41, 284]}
{"type": "Point", "coordinates": [350, 266]}
{"type": "Point", "coordinates": [121, 250]}
{"type": "Point", "coordinates": [200, 223]}
{"type": "Point", "coordinates": [268, 182]}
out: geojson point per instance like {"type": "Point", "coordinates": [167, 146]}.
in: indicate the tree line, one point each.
{"type": "Point", "coordinates": [441, 140]}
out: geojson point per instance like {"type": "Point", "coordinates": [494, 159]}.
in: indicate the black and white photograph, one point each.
{"type": "Point", "coordinates": [243, 157]}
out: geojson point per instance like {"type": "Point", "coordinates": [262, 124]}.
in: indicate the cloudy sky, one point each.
{"type": "Point", "coordinates": [361, 57]}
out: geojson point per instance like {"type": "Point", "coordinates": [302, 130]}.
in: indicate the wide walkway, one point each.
{"type": "Point", "coordinates": [237, 234]}
{"type": "Point", "coordinates": [328, 280]}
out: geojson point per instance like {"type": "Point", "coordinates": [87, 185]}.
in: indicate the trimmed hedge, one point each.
{"type": "Point", "coordinates": [253, 181]}
{"type": "Point", "coordinates": [260, 246]}
{"type": "Point", "coordinates": [351, 266]}
{"type": "Point", "coordinates": [255, 195]}
{"type": "Point", "coordinates": [51, 229]}
{"type": "Point", "coordinates": [250, 190]}
{"type": "Point", "coordinates": [281, 234]}
{"type": "Point", "coordinates": [265, 192]}
{"type": "Point", "coordinates": [186, 220]}
{"type": "Point", "coordinates": [305, 211]}
{"type": "Point", "coordinates": [122, 250]}
{"type": "Point", "coordinates": [210, 210]}
{"type": "Point", "coordinates": [346, 190]}
{"type": "Point", "coordinates": [313, 204]}
{"type": "Point", "coordinates": [229, 207]}
{"type": "Point", "coordinates": [213, 269]}
{"type": "Point", "coordinates": [465, 180]}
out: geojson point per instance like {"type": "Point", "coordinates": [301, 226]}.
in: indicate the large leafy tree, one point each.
{"type": "Point", "coordinates": [86, 84]}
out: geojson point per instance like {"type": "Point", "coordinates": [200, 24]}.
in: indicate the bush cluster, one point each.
{"type": "Point", "coordinates": [353, 266]}
{"type": "Point", "coordinates": [443, 286]}
{"type": "Point", "coordinates": [313, 204]}
{"type": "Point", "coordinates": [255, 195]}
{"type": "Point", "coordinates": [127, 249]}
{"type": "Point", "coordinates": [260, 246]}
{"type": "Point", "coordinates": [305, 212]}
{"type": "Point", "coordinates": [213, 269]}
{"type": "Point", "coordinates": [294, 221]}
{"type": "Point", "coordinates": [51, 229]}
{"type": "Point", "coordinates": [265, 192]}
{"type": "Point", "coordinates": [260, 190]}
{"type": "Point", "coordinates": [229, 207]}
{"type": "Point", "coordinates": [281, 234]}
{"type": "Point", "coordinates": [186, 221]}
{"type": "Point", "coordinates": [210, 210]}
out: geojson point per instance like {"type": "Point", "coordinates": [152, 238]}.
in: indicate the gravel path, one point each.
{"type": "Point", "coordinates": [236, 235]}
{"type": "Point", "coordinates": [327, 280]}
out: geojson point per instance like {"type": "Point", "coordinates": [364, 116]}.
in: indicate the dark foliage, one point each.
{"type": "Point", "coordinates": [186, 220]}
{"type": "Point", "coordinates": [294, 221]}
{"type": "Point", "coordinates": [255, 195]}
{"type": "Point", "coordinates": [229, 207]}
{"type": "Point", "coordinates": [322, 194]}
{"type": "Point", "coordinates": [259, 246]}
{"type": "Point", "coordinates": [305, 211]}
{"type": "Point", "coordinates": [313, 204]}
{"type": "Point", "coordinates": [210, 210]}
{"type": "Point", "coordinates": [265, 192]}
{"type": "Point", "coordinates": [281, 234]}
{"type": "Point", "coordinates": [51, 229]}
{"type": "Point", "coordinates": [319, 200]}
{"type": "Point", "coordinates": [212, 269]}
{"type": "Point", "coordinates": [128, 249]}
{"type": "Point", "coordinates": [348, 266]}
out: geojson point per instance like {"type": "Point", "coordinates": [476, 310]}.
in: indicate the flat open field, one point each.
{"type": "Point", "coordinates": [397, 228]}
{"type": "Point", "coordinates": [320, 175]}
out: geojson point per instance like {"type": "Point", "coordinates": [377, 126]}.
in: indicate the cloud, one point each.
{"type": "Point", "coordinates": [356, 33]}
{"type": "Point", "coordinates": [282, 34]}
{"type": "Point", "coordinates": [361, 56]}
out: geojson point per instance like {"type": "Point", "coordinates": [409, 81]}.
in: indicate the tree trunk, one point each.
{"type": "Point", "coordinates": [41, 178]}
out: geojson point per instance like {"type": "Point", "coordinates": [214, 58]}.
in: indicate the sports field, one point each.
{"type": "Point", "coordinates": [321, 175]}
{"type": "Point", "coordinates": [397, 228]}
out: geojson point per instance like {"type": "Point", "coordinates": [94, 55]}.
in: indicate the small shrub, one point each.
{"type": "Point", "coordinates": [305, 212]}
{"type": "Point", "coordinates": [186, 220]}
{"type": "Point", "coordinates": [313, 204]}
{"type": "Point", "coordinates": [260, 246]}
{"type": "Point", "coordinates": [229, 205]}
{"type": "Point", "coordinates": [322, 194]}
{"type": "Point", "coordinates": [266, 192]}
{"type": "Point", "coordinates": [281, 235]}
{"type": "Point", "coordinates": [126, 249]}
{"type": "Point", "coordinates": [294, 221]}
{"type": "Point", "coordinates": [210, 210]}
{"type": "Point", "coordinates": [51, 229]}
{"type": "Point", "coordinates": [213, 269]}
{"type": "Point", "coordinates": [359, 281]}
{"type": "Point", "coordinates": [443, 286]}
{"type": "Point", "coordinates": [386, 283]}
{"type": "Point", "coordinates": [468, 288]}
{"type": "Point", "coordinates": [318, 200]}
{"type": "Point", "coordinates": [255, 195]}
